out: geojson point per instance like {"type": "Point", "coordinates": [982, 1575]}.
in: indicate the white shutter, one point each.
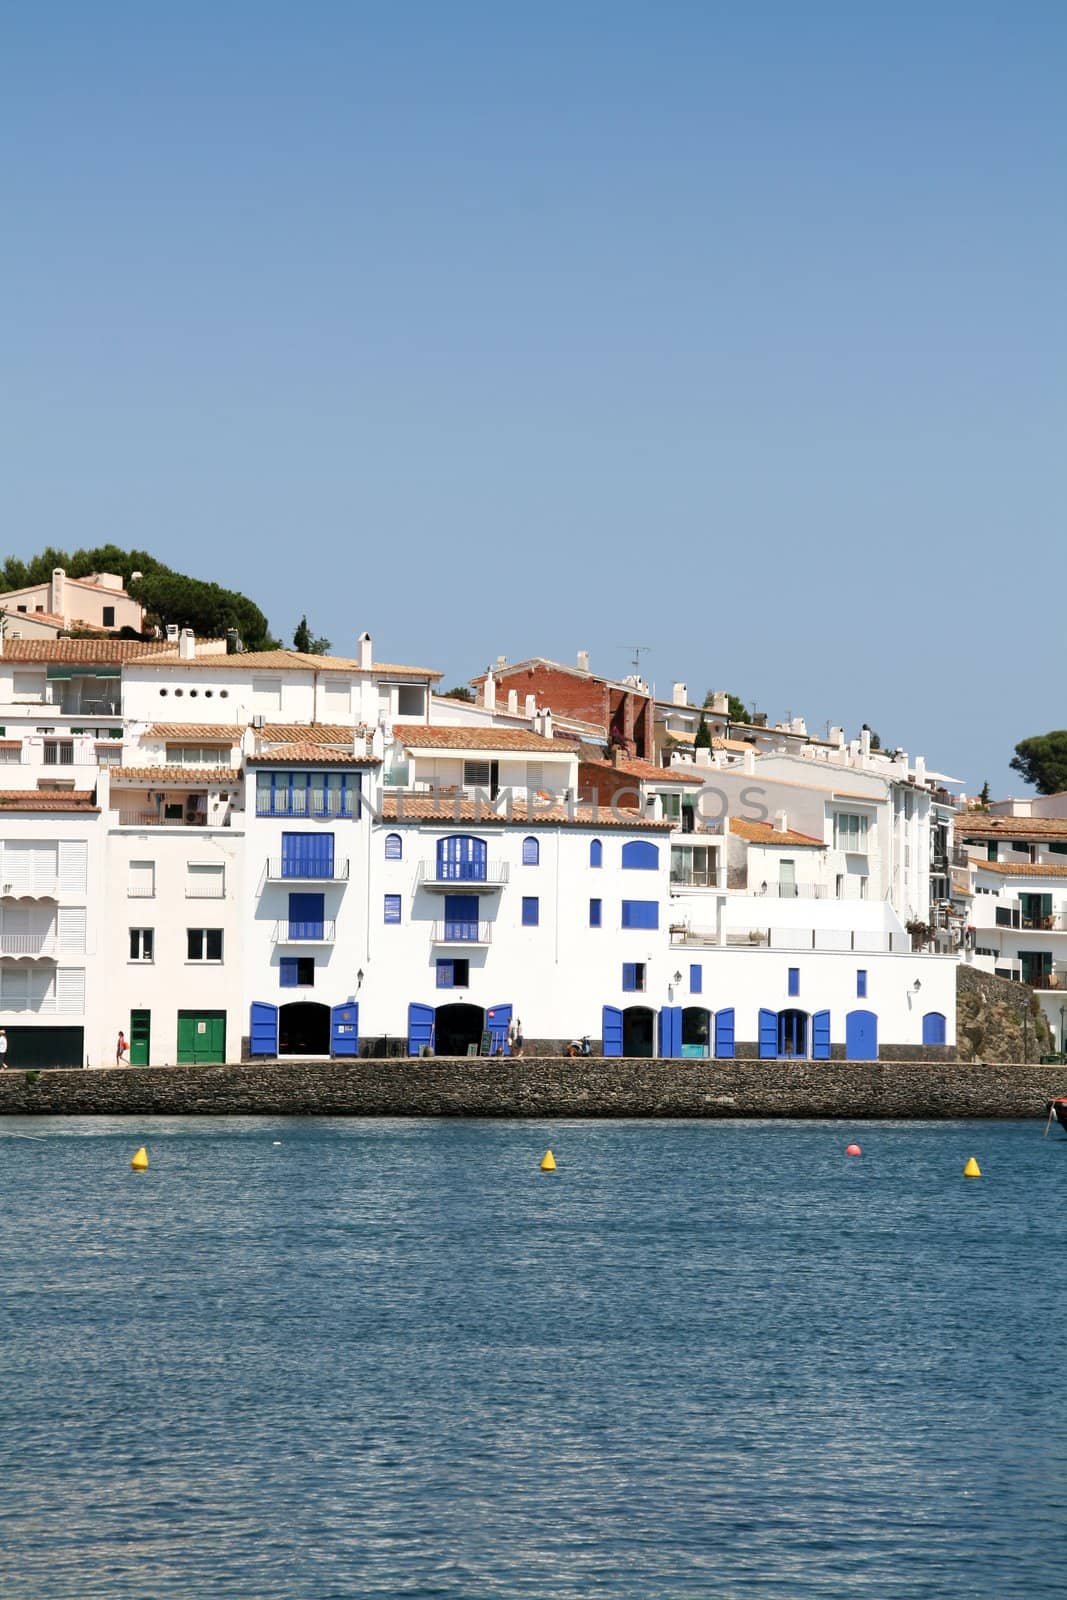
{"type": "Point", "coordinates": [205, 880]}
{"type": "Point", "coordinates": [18, 867]}
{"type": "Point", "coordinates": [70, 991]}
{"type": "Point", "coordinates": [43, 991]}
{"type": "Point", "coordinates": [73, 855]}
{"type": "Point", "coordinates": [71, 925]}
{"type": "Point", "coordinates": [142, 884]}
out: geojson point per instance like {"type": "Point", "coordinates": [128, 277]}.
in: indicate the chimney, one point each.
{"type": "Point", "coordinates": [748, 762]}
{"type": "Point", "coordinates": [865, 741]}
{"type": "Point", "coordinates": [720, 703]}
{"type": "Point", "coordinates": [781, 822]}
{"type": "Point", "coordinates": [583, 661]}
{"type": "Point", "coordinates": [531, 706]}
{"type": "Point", "coordinates": [513, 702]}
{"type": "Point", "coordinates": [172, 632]}
{"type": "Point", "coordinates": [798, 725]}
{"type": "Point", "coordinates": [501, 663]}
{"type": "Point", "coordinates": [57, 599]}
{"type": "Point", "coordinates": [233, 641]}
{"type": "Point", "coordinates": [546, 723]}
{"type": "Point", "coordinates": [680, 695]}
{"type": "Point", "coordinates": [837, 737]}
{"type": "Point", "coordinates": [920, 769]}
{"type": "Point", "coordinates": [489, 691]}
{"type": "Point", "coordinates": [187, 645]}
{"type": "Point", "coordinates": [365, 652]}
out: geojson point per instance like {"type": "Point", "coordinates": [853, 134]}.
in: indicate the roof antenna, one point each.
{"type": "Point", "coordinates": [638, 651]}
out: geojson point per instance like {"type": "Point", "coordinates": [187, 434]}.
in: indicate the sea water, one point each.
{"type": "Point", "coordinates": [392, 1358]}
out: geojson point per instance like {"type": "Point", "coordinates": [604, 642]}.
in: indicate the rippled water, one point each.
{"type": "Point", "coordinates": [393, 1359]}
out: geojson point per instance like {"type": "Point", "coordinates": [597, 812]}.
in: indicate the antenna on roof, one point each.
{"type": "Point", "coordinates": [638, 651]}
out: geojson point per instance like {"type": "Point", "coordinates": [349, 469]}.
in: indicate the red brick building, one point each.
{"type": "Point", "coordinates": [621, 710]}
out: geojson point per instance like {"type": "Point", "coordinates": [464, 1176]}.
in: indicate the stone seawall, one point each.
{"type": "Point", "coordinates": [544, 1087]}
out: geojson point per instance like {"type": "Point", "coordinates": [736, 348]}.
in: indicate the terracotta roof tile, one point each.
{"type": "Point", "coordinates": [648, 772]}
{"type": "Point", "coordinates": [766, 833]}
{"type": "Point", "coordinates": [87, 650]}
{"type": "Point", "coordinates": [187, 777]}
{"type": "Point", "coordinates": [445, 809]}
{"type": "Point", "coordinates": [418, 737]}
{"type": "Point", "coordinates": [284, 661]}
{"type": "Point", "coordinates": [318, 755]}
{"type": "Point", "coordinates": [47, 800]}
{"type": "Point", "coordinates": [202, 732]}
{"type": "Point", "coordinates": [1025, 869]}
{"type": "Point", "coordinates": [982, 825]}
{"type": "Point", "coordinates": [336, 733]}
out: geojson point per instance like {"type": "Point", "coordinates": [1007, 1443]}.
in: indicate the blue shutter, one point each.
{"type": "Point", "coordinates": [344, 1029]}
{"type": "Point", "coordinates": [820, 1036]}
{"type": "Point", "coordinates": [611, 1029]}
{"type": "Point", "coordinates": [639, 853]}
{"type": "Point", "coordinates": [420, 1028]}
{"type": "Point", "coordinates": [461, 859]}
{"type": "Point", "coordinates": [768, 1034]}
{"type": "Point", "coordinates": [306, 916]}
{"type": "Point", "coordinates": [287, 970]}
{"type": "Point", "coordinates": [670, 1031]}
{"type": "Point", "coordinates": [461, 916]}
{"type": "Point", "coordinates": [531, 853]}
{"type": "Point", "coordinates": [263, 1029]}
{"type": "Point", "coordinates": [446, 977]}
{"type": "Point", "coordinates": [794, 980]}
{"type": "Point", "coordinates": [322, 855]}
{"type": "Point", "coordinates": [596, 853]}
{"type": "Point", "coordinates": [531, 911]}
{"type": "Point", "coordinates": [497, 1022]}
{"type": "Point", "coordinates": [724, 1034]}
{"type": "Point", "coordinates": [640, 913]}
{"type": "Point", "coordinates": [861, 1036]}
{"type": "Point", "coordinates": [933, 1028]}
{"type": "Point", "coordinates": [861, 984]}
{"type": "Point", "coordinates": [696, 978]}
{"type": "Point", "coordinates": [294, 855]}
{"type": "Point", "coordinates": [629, 977]}
{"type": "Point", "coordinates": [595, 913]}
{"type": "Point", "coordinates": [394, 847]}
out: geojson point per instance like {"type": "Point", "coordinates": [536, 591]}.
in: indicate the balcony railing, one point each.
{"type": "Point", "coordinates": [141, 892]}
{"type": "Point", "coordinates": [281, 871]}
{"type": "Point", "coordinates": [290, 931]}
{"type": "Point", "coordinates": [792, 891]}
{"type": "Point", "coordinates": [27, 944]}
{"type": "Point", "coordinates": [44, 890]}
{"type": "Point", "coordinates": [298, 805]}
{"type": "Point", "coordinates": [796, 939]}
{"type": "Point", "coordinates": [153, 819]}
{"type": "Point", "coordinates": [683, 878]}
{"type": "Point", "coordinates": [476, 876]}
{"type": "Point", "coordinates": [457, 932]}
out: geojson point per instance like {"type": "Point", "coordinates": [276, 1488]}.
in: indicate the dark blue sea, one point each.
{"type": "Point", "coordinates": [391, 1358]}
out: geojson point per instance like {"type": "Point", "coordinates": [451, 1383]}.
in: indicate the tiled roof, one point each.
{"type": "Point", "coordinates": [739, 746]}
{"type": "Point", "coordinates": [393, 670]}
{"type": "Point", "coordinates": [766, 833]}
{"type": "Point", "coordinates": [47, 800]}
{"type": "Point", "coordinates": [980, 825]}
{"type": "Point", "coordinates": [445, 809]}
{"type": "Point", "coordinates": [286, 661]}
{"type": "Point", "coordinates": [501, 674]}
{"type": "Point", "coordinates": [87, 650]}
{"type": "Point", "coordinates": [10, 744]}
{"type": "Point", "coordinates": [204, 732]}
{"type": "Point", "coordinates": [318, 755]}
{"type": "Point", "coordinates": [459, 738]}
{"type": "Point", "coordinates": [337, 733]}
{"type": "Point", "coordinates": [648, 772]}
{"type": "Point", "coordinates": [1025, 869]}
{"type": "Point", "coordinates": [182, 777]}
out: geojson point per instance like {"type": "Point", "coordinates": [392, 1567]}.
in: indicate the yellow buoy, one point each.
{"type": "Point", "coordinates": [548, 1162]}
{"type": "Point", "coordinates": [972, 1169]}
{"type": "Point", "coordinates": [140, 1160]}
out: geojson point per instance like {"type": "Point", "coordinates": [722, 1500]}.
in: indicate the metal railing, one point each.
{"type": "Point", "coordinates": [452, 932]}
{"type": "Point", "coordinates": [797, 939]}
{"type": "Point", "coordinates": [281, 871]}
{"type": "Point", "coordinates": [291, 931]}
{"type": "Point", "coordinates": [27, 944]}
{"type": "Point", "coordinates": [153, 819]}
{"type": "Point", "coordinates": [207, 891]}
{"type": "Point", "coordinates": [492, 873]}
{"type": "Point", "coordinates": [681, 878]}
{"type": "Point", "coordinates": [134, 892]}
{"type": "Point", "coordinates": [297, 805]}
{"type": "Point", "coordinates": [792, 891]}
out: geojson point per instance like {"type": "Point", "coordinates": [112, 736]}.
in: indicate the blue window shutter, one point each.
{"type": "Point", "coordinates": [670, 1031]}
{"type": "Point", "coordinates": [498, 1024]}
{"type": "Point", "coordinates": [696, 978]}
{"type": "Point", "coordinates": [596, 911]}
{"type": "Point", "coordinates": [861, 984]}
{"type": "Point", "coordinates": [344, 1029]}
{"type": "Point", "coordinates": [392, 908]}
{"type": "Point", "coordinates": [287, 972]}
{"type": "Point", "coordinates": [531, 911]}
{"type": "Point", "coordinates": [640, 854]}
{"type": "Point", "coordinates": [420, 1028]}
{"type": "Point", "coordinates": [445, 975]}
{"type": "Point", "coordinates": [640, 913]}
{"type": "Point", "coordinates": [461, 859]}
{"type": "Point", "coordinates": [307, 915]}
{"type": "Point", "coordinates": [933, 1028]}
{"type": "Point", "coordinates": [461, 916]}
{"type": "Point", "coordinates": [768, 1034]}
{"type": "Point", "coordinates": [820, 1036]}
{"type": "Point", "coordinates": [531, 852]}
{"type": "Point", "coordinates": [294, 851]}
{"type": "Point", "coordinates": [394, 847]}
{"type": "Point", "coordinates": [629, 977]}
{"type": "Point", "coordinates": [724, 1034]}
{"type": "Point", "coordinates": [322, 855]}
{"type": "Point", "coordinates": [794, 980]}
{"type": "Point", "coordinates": [263, 1029]}
{"type": "Point", "coordinates": [611, 1030]}
{"type": "Point", "coordinates": [596, 853]}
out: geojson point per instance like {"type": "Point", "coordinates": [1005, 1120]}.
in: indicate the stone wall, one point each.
{"type": "Point", "coordinates": [544, 1087]}
{"type": "Point", "coordinates": [998, 1020]}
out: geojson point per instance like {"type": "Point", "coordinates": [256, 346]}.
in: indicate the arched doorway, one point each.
{"type": "Point", "coordinates": [455, 1027]}
{"type": "Point", "coordinates": [696, 1031]}
{"type": "Point", "coordinates": [304, 1029]}
{"type": "Point", "coordinates": [638, 1031]}
{"type": "Point", "coordinates": [792, 1033]}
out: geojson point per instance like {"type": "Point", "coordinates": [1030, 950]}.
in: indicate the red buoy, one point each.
{"type": "Point", "coordinates": [853, 1150]}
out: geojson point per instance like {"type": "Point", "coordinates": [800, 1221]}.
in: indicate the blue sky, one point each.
{"type": "Point", "coordinates": [733, 331]}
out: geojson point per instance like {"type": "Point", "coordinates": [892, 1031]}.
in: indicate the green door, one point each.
{"type": "Point", "coordinates": [201, 1037]}
{"type": "Point", "coordinates": [140, 1037]}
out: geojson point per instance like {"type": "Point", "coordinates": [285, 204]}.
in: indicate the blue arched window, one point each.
{"type": "Point", "coordinates": [461, 859]}
{"type": "Point", "coordinates": [639, 853]}
{"type": "Point", "coordinates": [596, 853]}
{"type": "Point", "coordinates": [531, 852]}
{"type": "Point", "coordinates": [933, 1028]}
{"type": "Point", "coordinates": [394, 847]}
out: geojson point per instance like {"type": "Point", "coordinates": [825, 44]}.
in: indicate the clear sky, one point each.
{"type": "Point", "coordinates": [735, 331]}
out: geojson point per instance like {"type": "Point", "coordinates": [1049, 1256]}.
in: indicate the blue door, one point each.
{"type": "Point", "coordinates": [497, 1022]}
{"type": "Point", "coordinates": [768, 1034]}
{"type": "Point", "coordinates": [820, 1036]}
{"type": "Point", "coordinates": [933, 1028]}
{"type": "Point", "coordinates": [307, 855]}
{"type": "Point", "coordinates": [724, 1033]}
{"type": "Point", "coordinates": [861, 1036]}
{"type": "Point", "coordinates": [263, 1029]}
{"type": "Point", "coordinates": [461, 916]}
{"type": "Point", "coordinates": [670, 1031]}
{"type": "Point", "coordinates": [611, 1028]}
{"type": "Point", "coordinates": [344, 1030]}
{"type": "Point", "coordinates": [306, 916]}
{"type": "Point", "coordinates": [420, 1028]}
{"type": "Point", "coordinates": [461, 859]}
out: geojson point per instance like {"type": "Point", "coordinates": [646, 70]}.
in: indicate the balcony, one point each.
{"type": "Point", "coordinates": [1053, 979]}
{"type": "Point", "coordinates": [792, 891]}
{"type": "Point", "coordinates": [153, 819]}
{"type": "Point", "coordinates": [464, 933]}
{"type": "Point", "coordinates": [318, 932]}
{"type": "Point", "coordinates": [298, 805]}
{"type": "Point", "coordinates": [441, 877]}
{"type": "Point", "coordinates": [44, 889]}
{"type": "Point", "coordinates": [28, 944]}
{"type": "Point", "coordinates": [279, 871]}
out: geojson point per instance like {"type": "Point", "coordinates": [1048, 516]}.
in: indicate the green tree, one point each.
{"type": "Point", "coordinates": [1042, 761]}
{"type": "Point", "coordinates": [735, 706]}
{"type": "Point", "coordinates": [460, 692]}
{"type": "Point", "coordinates": [308, 643]}
{"type": "Point", "coordinates": [984, 796]}
{"type": "Point", "coordinates": [703, 738]}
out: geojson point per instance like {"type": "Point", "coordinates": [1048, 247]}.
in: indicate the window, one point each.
{"type": "Point", "coordinates": [839, 886]}
{"type": "Point", "coordinates": [531, 911]}
{"type": "Point", "coordinates": [861, 984]}
{"type": "Point", "coordinates": [392, 908]}
{"type": "Point", "coordinates": [453, 974]}
{"type": "Point", "coordinates": [696, 979]}
{"type": "Point", "coordinates": [109, 755]}
{"type": "Point", "coordinates": [203, 944]}
{"type": "Point", "coordinates": [411, 700]}
{"type": "Point", "coordinates": [633, 976]}
{"type": "Point", "coordinates": [266, 694]}
{"type": "Point", "coordinates": [142, 944]}
{"type": "Point", "coordinates": [108, 617]}
{"type": "Point", "coordinates": [596, 853]}
{"type": "Point", "coordinates": [307, 794]}
{"type": "Point", "coordinates": [641, 855]}
{"type": "Point", "coordinates": [531, 853]}
{"type": "Point", "coordinates": [141, 884]}
{"type": "Point", "coordinates": [694, 866]}
{"type": "Point", "coordinates": [205, 880]}
{"type": "Point", "coordinates": [640, 914]}
{"type": "Point", "coordinates": [863, 888]}
{"type": "Point", "coordinates": [197, 755]}
{"type": "Point", "coordinates": [59, 752]}
{"type": "Point", "coordinates": [394, 847]}
{"type": "Point", "coordinates": [596, 913]}
{"type": "Point", "coordinates": [11, 753]}
{"type": "Point", "coordinates": [794, 980]}
{"type": "Point", "coordinates": [297, 972]}
{"type": "Point", "coordinates": [477, 774]}
{"type": "Point", "coordinates": [850, 832]}
{"type": "Point", "coordinates": [991, 850]}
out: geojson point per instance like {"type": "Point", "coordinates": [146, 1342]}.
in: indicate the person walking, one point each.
{"type": "Point", "coordinates": [120, 1049]}
{"type": "Point", "coordinates": [520, 1042]}
{"type": "Point", "coordinates": [3, 1049]}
